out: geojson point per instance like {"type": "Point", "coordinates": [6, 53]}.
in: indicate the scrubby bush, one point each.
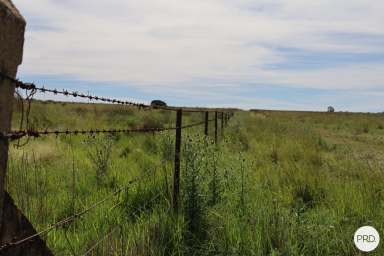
{"type": "Point", "coordinates": [99, 154]}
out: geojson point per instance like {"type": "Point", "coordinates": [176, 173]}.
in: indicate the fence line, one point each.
{"type": "Point", "coordinates": [18, 134]}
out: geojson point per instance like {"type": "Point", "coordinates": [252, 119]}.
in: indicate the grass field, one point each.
{"type": "Point", "coordinates": [278, 183]}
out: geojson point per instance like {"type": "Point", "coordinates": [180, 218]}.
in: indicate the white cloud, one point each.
{"type": "Point", "coordinates": [173, 42]}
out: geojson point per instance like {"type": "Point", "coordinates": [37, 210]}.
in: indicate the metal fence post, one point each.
{"type": "Point", "coordinates": [176, 173]}
{"type": "Point", "coordinates": [216, 127]}
{"type": "Point", "coordinates": [222, 124]}
{"type": "Point", "coordinates": [206, 123]}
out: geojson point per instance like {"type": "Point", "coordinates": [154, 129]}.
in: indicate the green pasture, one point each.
{"type": "Point", "coordinates": [278, 183]}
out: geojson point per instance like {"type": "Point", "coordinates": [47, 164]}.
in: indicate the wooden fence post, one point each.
{"type": "Point", "coordinates": [13, 224]}
{"type": "Point", "coordinates": [216, 127]}
{"type": "Point", "coordinates": [12, 28]}
{"type": "Point", "coordinates": [176, 173]}
{"type": "Point", "coordinates": [206, 123]}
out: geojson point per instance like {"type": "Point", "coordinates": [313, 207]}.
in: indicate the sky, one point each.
{"type": "Point", "coordinates": [265, 54]}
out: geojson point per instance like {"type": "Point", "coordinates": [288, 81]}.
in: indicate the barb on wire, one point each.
{"type": "Point", "coordinates": [25, 113]}
{"type": "Point", "coordinates": [33, 87]}
{"type": "Point", "coordinates": [69, 219]}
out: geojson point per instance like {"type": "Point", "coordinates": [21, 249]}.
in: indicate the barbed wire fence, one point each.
{"type": "Point", "coordinates": [26, 131]}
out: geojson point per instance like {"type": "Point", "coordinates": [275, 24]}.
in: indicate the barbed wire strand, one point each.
{"type": "Point", "coordinates": [32, 86]}
{"type": "Point", "coordinates": [70, 218]}
{"type": "Point", "coordinates": [114, 229]}
{"type": "Point", "coordinates": [93, 247]}
{"type": "Point", "coordinates": [75, 94]}
{"type": "Point", "coordinates": [16, 135]}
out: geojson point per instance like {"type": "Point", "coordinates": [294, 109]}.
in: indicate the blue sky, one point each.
{"type": "Point", "coordinates": [275, 54]}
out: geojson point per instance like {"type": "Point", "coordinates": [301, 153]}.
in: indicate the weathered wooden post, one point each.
{"type": "Point", "coordinates": [206, 123]}
{"type": "Point", "coordinates": [176, 173]}
{"type": "Point", "coordinates": [12, 28]}
{"type": "Point", "coordinates": [216, 127]}
{"type": "Point", "coordinates": [13, 224]}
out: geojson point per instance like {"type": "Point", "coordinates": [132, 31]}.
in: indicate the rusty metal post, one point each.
{"type": "Point", "coordinates": [206, 124]}
{"type": "Point", "coordinates": [228, 117]}
{"type": "Point", "coordinates": [222, 124]}
{"type": "Point", "coordinates": [176, 173]}
{"type": "Point", "coordinates": [216, 127]}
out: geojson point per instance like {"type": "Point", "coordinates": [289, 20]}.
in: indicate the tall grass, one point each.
{"type": "Point", "coordinates": [278, 183]}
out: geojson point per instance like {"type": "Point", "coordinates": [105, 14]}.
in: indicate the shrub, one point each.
{"type": "Point", "coordinates": [194, 196]}
{"type": "Point", "coordinates": [149, 121]}
{"type": "Point", "coordinates": [100, 155]}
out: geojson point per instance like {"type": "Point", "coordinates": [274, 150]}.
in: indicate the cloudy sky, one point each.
{"type": "Point", "coordinates": [271, 54]}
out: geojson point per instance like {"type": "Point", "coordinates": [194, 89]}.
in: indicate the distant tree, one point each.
{"type": "Point", "coordinates": [158, 103]}
{"type": "Point", "coordinates": [331, 109]}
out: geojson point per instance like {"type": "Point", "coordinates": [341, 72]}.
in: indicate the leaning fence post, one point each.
{"type": "Point", "coordinates": [216, 127]}
{"type": "Point", "coordinates": [176, 173]}
{"type": "Point", "coordinates": [206, 123]}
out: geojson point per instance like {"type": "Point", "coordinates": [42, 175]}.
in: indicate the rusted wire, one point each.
{"type": "Point", "coordinates": [25, 113]}
{"type": "Point", "coordinates": [116, 227]}
{"type": "Point", "coordinates": [15, 135]}
{"type": "Point", "coordinates": [32, 86]}
{"type": "Point", "coordinates": [90, 250]}
{"type": "Point", "coordinates": [71, 218]}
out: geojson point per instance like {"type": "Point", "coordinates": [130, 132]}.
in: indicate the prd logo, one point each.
{"type": "Point", "coordinates": [366, 239]}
